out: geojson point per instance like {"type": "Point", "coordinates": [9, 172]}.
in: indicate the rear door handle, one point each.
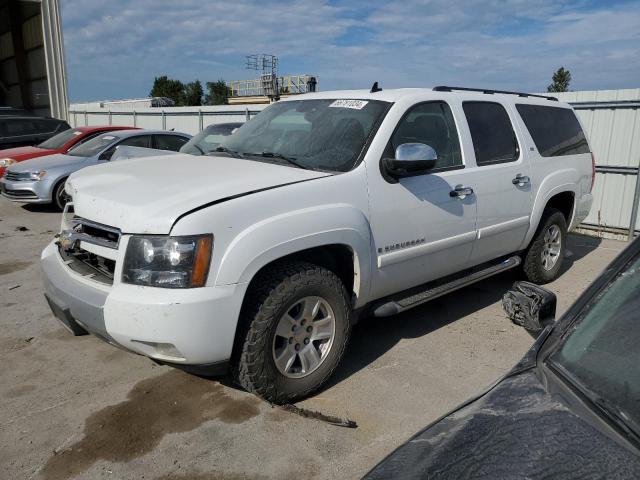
{"type": "Point", "coordinates": [461, 192]}
{"type": "Point", "coordinates": [521, 180]}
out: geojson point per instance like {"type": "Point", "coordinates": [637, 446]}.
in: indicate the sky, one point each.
{"type": "Point", "coordinates": [115, 49]}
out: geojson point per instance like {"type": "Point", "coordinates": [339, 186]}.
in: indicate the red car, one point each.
{"type": "Point", "coordinates": [60, 143]}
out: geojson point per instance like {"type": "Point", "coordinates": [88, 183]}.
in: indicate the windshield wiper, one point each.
{"type": "Point", "coordinates": [233, 153]}
{"type": "Point", "coordinates": [290, 160]}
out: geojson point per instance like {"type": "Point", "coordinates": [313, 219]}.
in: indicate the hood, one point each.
{"type": "Point", "coordinates": [43, 163]}
{"type": "Point", "coordinates": [24, 153]}
{"type": "Point", "coordinates": [147, 195]}
{"type": "Point", "coordinates": [517, 430]}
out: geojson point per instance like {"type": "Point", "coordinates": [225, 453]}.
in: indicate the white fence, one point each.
{"type": "Point", "coordinates": [181, 119]}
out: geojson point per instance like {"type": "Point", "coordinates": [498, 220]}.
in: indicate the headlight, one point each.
{"type": "Point", "coordinates": [5, 162]}
{"type": "Point", "coordinates": [168, 262]}
{"type": "Point", "coordinates": [39, 175]}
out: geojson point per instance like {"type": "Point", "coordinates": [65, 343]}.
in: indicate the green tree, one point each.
{"type": "Point", "coordinates": [561, 79]}
{"type": "Point", "coordinates": [192, 94]}
{"type": "Point", "coordinates": [167, 87]}
{"type": "Point", "coordinates": [217, 93]}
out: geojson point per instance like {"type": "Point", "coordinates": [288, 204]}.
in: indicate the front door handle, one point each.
{"type": "Point", "coordinates": [521, 180]}
{"type": "Point", "coordinates": [461, 192]}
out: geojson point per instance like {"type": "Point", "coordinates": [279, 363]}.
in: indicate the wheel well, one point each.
{"type": "Point", "coordinates": [564, 203]}
{"type": "Point", "coordinates": [337, 258]}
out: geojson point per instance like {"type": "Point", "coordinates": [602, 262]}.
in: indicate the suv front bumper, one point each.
{"type": "Point", "coordinates": [194, 326]}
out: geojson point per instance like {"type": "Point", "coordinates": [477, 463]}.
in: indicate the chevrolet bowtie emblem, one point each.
{"type": "Point", "coordinates": [67, 240]}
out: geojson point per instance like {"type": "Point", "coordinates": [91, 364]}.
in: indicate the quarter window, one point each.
{"type": "Point", "coordinates": [494, 140]}
{"type": "Point", "coordinates": [432, 124]}
{"type": "Point", "coordinates": [555, 131]}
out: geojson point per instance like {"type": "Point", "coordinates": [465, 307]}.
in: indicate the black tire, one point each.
{"type": "Point", "coordinates": [273, 293]}
{"type": "Point", "coordinates": [60, 198]}
{"type": "Point", "coordinates": [533, 266]}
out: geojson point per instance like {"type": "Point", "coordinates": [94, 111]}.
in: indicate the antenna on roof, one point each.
{"type": "Point", "coordinates": [375, 88]}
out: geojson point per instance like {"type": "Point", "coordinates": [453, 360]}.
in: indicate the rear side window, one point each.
{"type": "Point", "coordinates": [494, 140]}
{"type": "Point", "coordinates": [137, 141]}
{"type": "Point", "coordinates": [169, 142]}
{"type": "Point", "coordinates": [555, 131]}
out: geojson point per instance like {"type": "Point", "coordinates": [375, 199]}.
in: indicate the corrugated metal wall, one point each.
{"type": "Point", "coordinates": [612, 123]}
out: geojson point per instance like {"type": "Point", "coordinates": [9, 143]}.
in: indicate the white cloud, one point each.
{"type": "Point", "coordinates": [116, 48]}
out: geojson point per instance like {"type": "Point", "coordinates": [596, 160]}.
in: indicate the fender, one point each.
{"type": "Point", "coordinates": [297, 230]}
{"type": "Point", "coordinates": [565, 180]}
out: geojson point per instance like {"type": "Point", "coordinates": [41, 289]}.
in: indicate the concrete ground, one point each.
{"type": "Point", "coordinates": [79, 408]}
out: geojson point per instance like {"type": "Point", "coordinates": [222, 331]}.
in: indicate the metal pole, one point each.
{"type": "Point", "coordinates": [200, 123]}
{"type": "Point", "coordinates": [86, 121]}
{"type": "Point", "coordinates": [110, 121]}
{"type": "Point", "coordinates": [634, 209]}
{"type": "Point", "coordinates": [246, 114]}
{"type": "Point", "coordinates": [164, 121]}
{"type": "Point", "coordinates": [135, 119]}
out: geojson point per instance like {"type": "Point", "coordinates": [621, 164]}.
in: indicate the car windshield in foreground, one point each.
{"type": "Point", "coordinates": [209, 139]}
{"type": "Point", "coordinates": [92, 147]}
{"type": "Point", "coordinates": [313, 134]}
{"type": "Point", "coordinates": [602, 352]}
{"type": "Point", "coordinates": [59, 140]}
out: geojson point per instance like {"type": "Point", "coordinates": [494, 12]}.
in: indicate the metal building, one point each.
{"type": "Point", "coordinates": [32, 73]}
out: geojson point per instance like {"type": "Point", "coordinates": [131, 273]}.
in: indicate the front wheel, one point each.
{"type": "Point", "coordinates": [60, 197]}
{"type": "Point", "coordinates": [296, 327]}
{"type": "Point", "coordinates": [543, 260]}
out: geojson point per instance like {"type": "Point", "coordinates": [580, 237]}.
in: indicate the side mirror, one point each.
{"type": "Point", "coordinates": [411, 159]}
{"type": "Point", "coordinates": [530, 306]}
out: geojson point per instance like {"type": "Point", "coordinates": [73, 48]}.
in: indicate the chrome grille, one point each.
{"type": "Point", "coordinates": [93, 232]}
{"type": "Point", "coordinates": [16, 176]}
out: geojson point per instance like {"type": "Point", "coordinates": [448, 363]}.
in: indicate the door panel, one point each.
{"type": "Point", "coordinates": [502, 176]}
{"type": "Point", "coordinates": [420, 231]}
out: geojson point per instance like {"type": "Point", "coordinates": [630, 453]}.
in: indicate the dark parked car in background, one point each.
{"type": "Point", "coordinates": [204, 142]}
{"type": "Point", "coordinates": [24, 130]}
{"type": "Point", "coordinates": [210, 138]}
{"type": "Point", "coordinates": [569, 409]}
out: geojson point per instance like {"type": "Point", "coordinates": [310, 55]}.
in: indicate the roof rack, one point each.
{"type": "Point", "coordinates": [444, 88]}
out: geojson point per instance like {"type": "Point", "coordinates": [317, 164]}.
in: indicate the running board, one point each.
{"type": "Point", "coordinates": [396, 306]}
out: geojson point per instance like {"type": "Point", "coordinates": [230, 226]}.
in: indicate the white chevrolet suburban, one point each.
{"type": "Point", "coordinates": [323, 208]}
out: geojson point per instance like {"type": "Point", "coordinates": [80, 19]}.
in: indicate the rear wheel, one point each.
{"type": "Point", "coordinates": [296, 327]}
{"type": "Point", "coordinates": [543, 260]}
{"type": "Point", "coordinates": [60, 197]}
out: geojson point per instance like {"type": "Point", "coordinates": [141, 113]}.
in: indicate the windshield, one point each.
{"type": "Point", "coordinates": [92, 147]}
{"type": "Point", "coordinates": [59, 140]}
{"type": "Point", "coordinates": [602, 352]}
{"type": "Point", "coordinates": [314, 134]}
{"type": "Point", "coordinates": [209, 139]}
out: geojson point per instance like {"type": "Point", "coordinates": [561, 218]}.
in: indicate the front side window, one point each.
{"type": "Point", "coordinates": [601, 353]}
{"type": "Point", "coordinates": [555, 131]}
{"type": "Point", "coordinates": [432, 124]}
{"type": "Point", "coordinates": [93, 146]}
{"type": "Point", "coordinates": [315, 134]}
{"type": "Point", "coordinates": [494, 140]}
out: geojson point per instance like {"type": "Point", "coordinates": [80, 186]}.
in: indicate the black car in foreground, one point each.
{"type": "Point", "coordinates": [24, 130]}
{"type": "Point", "coordinates": [570, 409]}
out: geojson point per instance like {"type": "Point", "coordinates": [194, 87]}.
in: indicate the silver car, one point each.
{"type": "Point", "coordinates": [41, 180]}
